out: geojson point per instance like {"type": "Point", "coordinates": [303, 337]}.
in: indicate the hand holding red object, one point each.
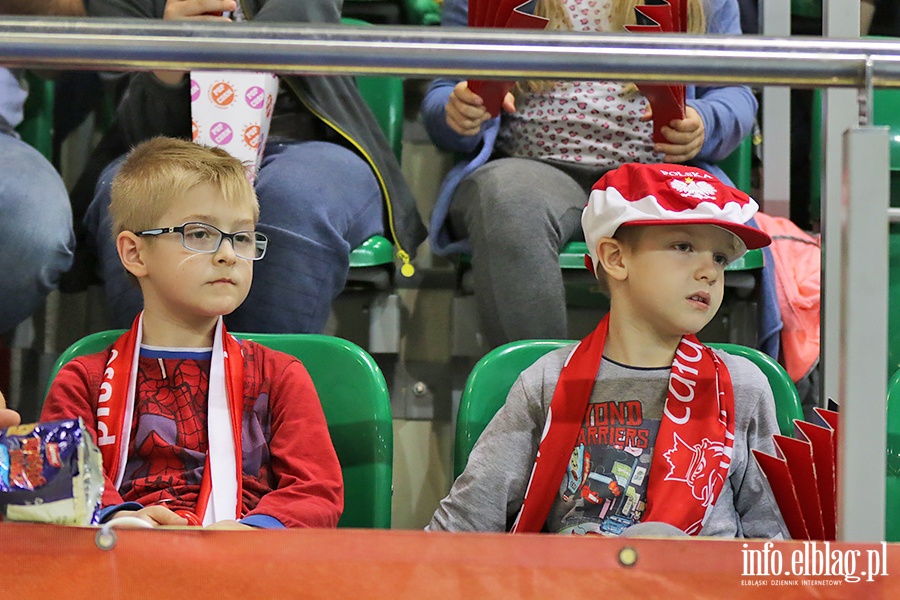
{"type": "Point", "coordinates": [501, 14]}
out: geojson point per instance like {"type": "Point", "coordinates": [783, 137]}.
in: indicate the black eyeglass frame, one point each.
{"type": "Point", "coordinates": [262, 241]}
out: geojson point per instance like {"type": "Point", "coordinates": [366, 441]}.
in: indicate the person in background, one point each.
{"type": "Point", "coordinates": [36, 238]}
{"type": "Point", "coordinates": [328, 179]}
{"type": "Point", "coordinates": [525, 174]}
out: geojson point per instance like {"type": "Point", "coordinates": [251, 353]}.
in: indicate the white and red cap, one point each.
{"type": "Point", "coordinates": [665, 194]}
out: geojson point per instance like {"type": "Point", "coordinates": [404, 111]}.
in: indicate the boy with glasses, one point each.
{"type": "Point", "coordinates": [194, 426]}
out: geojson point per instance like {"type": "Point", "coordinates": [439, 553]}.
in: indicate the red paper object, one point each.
{"type": "Point", "coordinates": [779, 476]}
{"type": "Point", "coordinates": [803, 475]}
{"type": "Point", "coordinates": [501, 14]}
{"type": "Point", "coordinates": [825, 461]}
{"type": "Point", "coordinates": [666, 101]}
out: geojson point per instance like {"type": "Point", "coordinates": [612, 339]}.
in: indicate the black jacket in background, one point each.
{"type": "Point", "coordinates": [149, 108]}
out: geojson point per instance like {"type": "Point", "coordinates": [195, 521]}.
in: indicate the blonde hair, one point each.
{"type": "Point", "coordinates": [162, 170]}
{"type": "Point", "coordinates": [622, 14]}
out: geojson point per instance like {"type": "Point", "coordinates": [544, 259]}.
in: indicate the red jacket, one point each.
{"type": "Point", "coordinates": [290, 469]}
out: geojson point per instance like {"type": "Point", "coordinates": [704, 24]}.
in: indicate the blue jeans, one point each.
{"type": "Point", "coordinates": [317, 201]}
{"type": "Point", "coordinates": [36, 239]}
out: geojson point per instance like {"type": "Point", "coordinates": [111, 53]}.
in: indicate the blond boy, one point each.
{"type": "Point", "coordinates": [639, 423]}
{"type": "Point", "coordinates": [194, 426]}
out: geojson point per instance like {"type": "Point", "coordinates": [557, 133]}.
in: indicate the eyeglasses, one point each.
{"type": "Point", "coordinates": [206, 239]}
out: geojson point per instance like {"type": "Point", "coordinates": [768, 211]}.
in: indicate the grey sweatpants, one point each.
{"type": "Point", "coordinates": [517, 213]}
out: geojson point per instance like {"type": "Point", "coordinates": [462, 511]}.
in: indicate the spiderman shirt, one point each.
{"type": "Point", "coordinates": [291, 476]}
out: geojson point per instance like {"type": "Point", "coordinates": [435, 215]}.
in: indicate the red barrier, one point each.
{"type": "Point", "coordinates": [65, 562]}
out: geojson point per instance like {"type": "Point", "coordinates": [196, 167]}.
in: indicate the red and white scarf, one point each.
{"type": "Point", "coordinates": [220, 489]}
{"type": "Point", "coordinates": [693, 447]}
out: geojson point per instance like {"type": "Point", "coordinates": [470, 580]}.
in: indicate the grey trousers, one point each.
{"type": "Point", "coordinates": [517, 213]}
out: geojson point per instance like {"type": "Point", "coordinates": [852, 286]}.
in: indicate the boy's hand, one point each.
{"type": "Point", "coordinates": [8, 418]}
{"type": "Point", "coordinates": [204, 10]}
{"type": "Point", "coordinates": [685, 136]}
{"type": "Point", "coordinates": [465, 110]}
{"type": "Point", "coordinates": [156, 515]}
{"type": "Point", "coordinates": [228, 525]}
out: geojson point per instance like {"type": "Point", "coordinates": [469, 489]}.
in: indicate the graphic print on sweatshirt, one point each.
{"type": "Point", "coordinates": [604, 490]}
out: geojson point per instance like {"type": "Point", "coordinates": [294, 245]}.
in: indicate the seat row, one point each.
{"type": "Point", "coordinates": [357, 406]}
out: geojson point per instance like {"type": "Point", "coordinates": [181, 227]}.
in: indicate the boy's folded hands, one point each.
{"type": "Point", "coordinates": [156, 516]}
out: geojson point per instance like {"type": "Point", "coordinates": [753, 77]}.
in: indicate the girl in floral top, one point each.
{"type": "Point", "coordinates": [525, 174]}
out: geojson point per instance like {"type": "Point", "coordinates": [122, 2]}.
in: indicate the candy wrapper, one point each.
{"type": "Point", "coordinates": [232, 110]}
{"type": "Point", "coordinates": [50, 473]}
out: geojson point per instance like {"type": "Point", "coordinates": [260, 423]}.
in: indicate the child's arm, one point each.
{"type": "Point", "coordinates": [753, 500]}
{"type": "Point", "coordinates": [727, 112]}
{"type": "Point", "coordinates": [488, 494]}
{"type": "Point", "coordinates": [149, 106]}
{"type": "Point", "coordinates": [454, 13]}
{"type": "Point", "coordinates": [308, 483]}
{"type": "Point", "coordinates": [72, 395]}
{"type": "Point", "coordinates": [8, 418]}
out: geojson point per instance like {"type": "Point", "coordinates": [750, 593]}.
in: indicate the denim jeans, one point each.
{"type": "Point", "coordinates": [36, 239]}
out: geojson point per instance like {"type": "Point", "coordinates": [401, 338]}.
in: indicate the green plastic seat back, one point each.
{"type": "Point", "coordinates": [422, 12]}
{"type": "Point", "coordinates": [36, 127]}
{"type": "Point", "coordinates": [356, 404]}
{"type": "Point", "coordinates": [894, 301]}
{"type": "Point", "coordinates": [375, 251]}
{"type": "Point", "coordinates": [787, 399]}
{"type": "Point", "coordinates": [384, 97]}
{"type": "Point", "coordinates": [487, 387]}
{"type": "Point", "coordinates": [892, 492]}
{"type": "Point", "coordinates": [811, 9]}
{"type": "Point", "coordinates": [739, 164]}
{"type": "Point", "coordinates": [493, 376]}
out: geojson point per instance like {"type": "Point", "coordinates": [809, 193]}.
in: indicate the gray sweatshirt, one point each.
{"type": "Point", "coordinates": [488, 494]}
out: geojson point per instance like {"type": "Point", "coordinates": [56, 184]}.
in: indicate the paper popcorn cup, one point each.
{"type": "Point", "coordinates": [232, 110]}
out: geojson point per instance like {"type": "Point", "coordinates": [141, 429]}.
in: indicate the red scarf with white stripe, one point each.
{"type": "Point", "coordinates": [693, 447]}
{"type": "Point", "coordinates": [220, 496]}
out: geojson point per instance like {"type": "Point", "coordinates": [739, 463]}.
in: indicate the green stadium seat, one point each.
{"type": "Point", "coordinates": [738, 165]}
{"type": "Point", "coordinates": [493, 376]}
{"type": "Point", "coordinates": [892, 495]}
{"type": "Point", "coordinates": [395, 12]}
{"type": "Point", "coordinates": [36, 128]}
{"type": "Point", "coordinates": [811, 9]}
{"type": "Point", "coordinates": [357, 407]}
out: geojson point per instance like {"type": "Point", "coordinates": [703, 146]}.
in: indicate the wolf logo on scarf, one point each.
{"type": "Point", "coordinates": [695, 465]}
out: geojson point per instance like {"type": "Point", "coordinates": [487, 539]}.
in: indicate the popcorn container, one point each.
{"type": "Point", "coordinates": [232, 110]}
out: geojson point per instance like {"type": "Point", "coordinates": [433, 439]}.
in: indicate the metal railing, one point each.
{"type": "Point", "coordinates": [115, 44]}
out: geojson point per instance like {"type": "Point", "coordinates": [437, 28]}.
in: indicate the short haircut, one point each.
{"type": "Point", "coordinates": [162, 170]}
{"type": "Point", "coordinates": [627, 236]}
